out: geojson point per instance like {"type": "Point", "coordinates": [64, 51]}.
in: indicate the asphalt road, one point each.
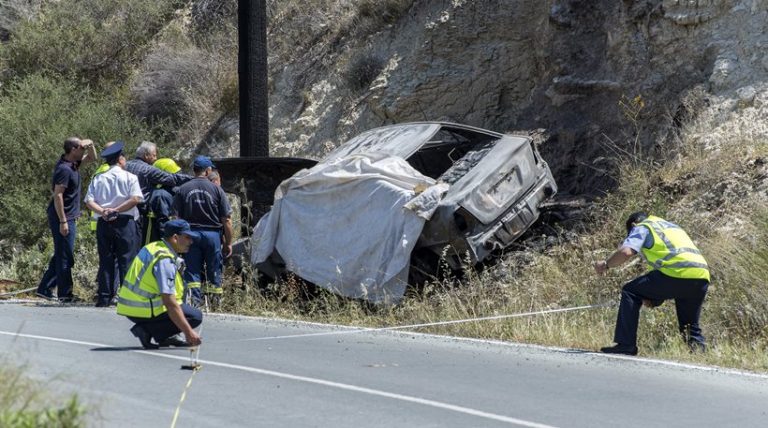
{"type": "Point", "coordinates": [275, 373]}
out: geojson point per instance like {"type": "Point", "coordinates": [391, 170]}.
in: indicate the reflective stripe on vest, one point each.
{"type": "Point", "coordinates": [139, 295]}
{"type": "Point", "coordinates": [673, 253]}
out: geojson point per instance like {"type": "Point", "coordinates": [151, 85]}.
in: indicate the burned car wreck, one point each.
{"type": "Point", "coordinates": [380, 210]}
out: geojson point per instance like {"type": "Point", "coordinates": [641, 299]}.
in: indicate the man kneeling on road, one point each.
{"type": "Point", "coordinates": [151, 294]}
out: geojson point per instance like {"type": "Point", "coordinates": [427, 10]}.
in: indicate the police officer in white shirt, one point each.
{"type": "Point", "coordinates": [113, 196]}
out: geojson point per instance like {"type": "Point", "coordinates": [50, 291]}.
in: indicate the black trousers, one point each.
{"type": "Point", "coordinates": [118, 243]}
{"type": "Point", "coordinates": [162, 327]}
{"type": "Point", "coordinates": [655, 286]}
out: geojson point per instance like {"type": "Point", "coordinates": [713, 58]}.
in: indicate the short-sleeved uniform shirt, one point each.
{"type": "Point", "coordinates": [67, 173]}
{"type": "Point", "coordinates": [202, 204]}
{"type": "Point", "coordinates": [639, 237]}
{"type": "Point", "coordinates": [112, 188]}
{"type": "Point", "coordinates": [165, 273]}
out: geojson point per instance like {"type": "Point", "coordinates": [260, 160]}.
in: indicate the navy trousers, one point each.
{"type": "Point", "coordinates": [162, 327]}
{"type": "Point", "coordinates": [118, 243]}
{"type": "Point", "coordinates": [204, 253]}
{"type": "Point", "coordinates": [655, 286]}
{"type": "Point", "coordinates": [59, 272]}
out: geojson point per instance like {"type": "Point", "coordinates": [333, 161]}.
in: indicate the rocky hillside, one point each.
{"type": "Point", "coordinates": [598, 75]}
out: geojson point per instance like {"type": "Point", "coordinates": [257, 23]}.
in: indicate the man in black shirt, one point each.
{"type": "Point", "coordinates": [63, 212]}
{"type": "Point", "coordinates": [205, 206]}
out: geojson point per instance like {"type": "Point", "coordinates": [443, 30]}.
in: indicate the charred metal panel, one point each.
{"type": "Point", "coordinates": [395, 140]}
{"type": "Point", "coordinates": [255, 180]}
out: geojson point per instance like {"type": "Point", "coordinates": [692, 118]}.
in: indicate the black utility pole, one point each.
{"type": "Point", "coordinates": [252, 72]}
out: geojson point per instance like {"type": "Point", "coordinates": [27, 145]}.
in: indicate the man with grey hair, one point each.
{"type": "Point", "coordinates": [150, 177]}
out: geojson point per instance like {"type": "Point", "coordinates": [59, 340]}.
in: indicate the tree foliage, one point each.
{"type": "Point", "coordinates": [36, 115]}
{"type": "Point", "coordinates": [91, 40]}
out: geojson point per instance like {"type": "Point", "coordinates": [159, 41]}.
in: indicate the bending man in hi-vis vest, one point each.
{"type": "Point", "coordinates": [151, 294]}
{"type": "Point", "coordinates": [678, 271]}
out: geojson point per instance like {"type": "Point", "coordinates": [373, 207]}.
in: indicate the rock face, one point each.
{"type": "Point", "coordinates": [602, 76]}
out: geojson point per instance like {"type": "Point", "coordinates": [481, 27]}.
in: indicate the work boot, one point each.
{"type": "Point", "coordinates": [697, 347]}
{"type": "Point", "coordinates": [620, 349]}
{"type": "Point", "coordinates": [174, 340]}
{"type": "Point", "coordinates": [144, 337]}
{"type": "Point", "coordinates": [46, 296]}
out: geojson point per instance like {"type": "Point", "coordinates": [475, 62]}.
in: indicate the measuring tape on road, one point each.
{"type": "Point", "coordinates": [431, 324]}
{"type": "Point", "coordinates": [194, 355]}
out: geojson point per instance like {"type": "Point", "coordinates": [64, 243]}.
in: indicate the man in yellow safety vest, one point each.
{"type": "Point", "coordinates": [678, 271]}
{"type": "Point", "coordinates": [151, 294]}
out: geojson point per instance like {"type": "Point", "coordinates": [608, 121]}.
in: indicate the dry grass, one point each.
{"type": "Point", "coordinates": [25, 403]}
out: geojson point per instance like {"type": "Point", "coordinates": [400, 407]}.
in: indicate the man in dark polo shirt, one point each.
{"type": "Point", "coordinates": [63, 212]}
{"type": "Point", "coordinates": [205, 206]}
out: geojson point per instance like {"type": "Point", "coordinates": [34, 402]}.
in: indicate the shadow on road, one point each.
{"type": "Point", "coordinates": [119, 348]}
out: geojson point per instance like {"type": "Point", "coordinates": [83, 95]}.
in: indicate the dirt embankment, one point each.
{"type": "Point", "coordinates": [599, 75]}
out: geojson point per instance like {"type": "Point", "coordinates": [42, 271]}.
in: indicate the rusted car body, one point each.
{"type": "Point", "coordinates": [497, 182]}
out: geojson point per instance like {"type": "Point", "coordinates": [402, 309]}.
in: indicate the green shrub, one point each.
{"type": "Point", "coordinates": [24, 404]}
{"type": "Point", "coordinates": [387, 11]}
{"type": "Point", "coordinates": [363, 70]}
{"type": "Point", "coordinates": [36, 115]}
{"type": "Point", "coordinates": [92, 40]}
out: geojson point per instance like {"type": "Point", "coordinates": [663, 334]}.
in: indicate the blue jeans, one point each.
{"type": "Point", "coordinates": [59, 272]}
{"type": "Point", "coordinates": [655, 286]}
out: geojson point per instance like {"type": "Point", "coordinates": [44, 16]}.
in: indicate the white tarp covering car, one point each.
{"type": "Point", "coordinates": [344, 225]}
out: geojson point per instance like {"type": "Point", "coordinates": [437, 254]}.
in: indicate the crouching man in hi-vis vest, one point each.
{"type": "Point", "coordinates": [151, 293]}
{"type": "Point", "coordinates": [678, 271]}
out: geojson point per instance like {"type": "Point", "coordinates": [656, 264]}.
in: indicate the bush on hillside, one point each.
{"type": "Point", "coordinates": [12, 12]}
{"type": "Point", "coordinates": [186, 82]}
{"type": "Point", "coordinates": [209, 15]}
{"type": "Point", "coordinates": [386, 11]}
{"type": "Point", "coordinates": [36, 115]}
{"type": "Point", "coordinates": [92, 40]}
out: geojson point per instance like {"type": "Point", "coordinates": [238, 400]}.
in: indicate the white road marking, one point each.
{"type": "Point", "coordinates": [316, 381]}
{"type": "Point", "coordinates": [345, 329]}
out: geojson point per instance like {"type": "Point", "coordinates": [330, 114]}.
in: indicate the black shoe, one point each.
{"type": "Point", "coordinates": [697, 347]}
{"type": "Point", "coordinates": [174, 341]}
{"type": "Point", "coordinates": [143, 336]}
{"type": "Point", "coordinates": [620, 349]}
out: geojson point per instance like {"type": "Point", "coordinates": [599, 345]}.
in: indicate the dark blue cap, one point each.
{"type": "Point", "coordinates": [202, 162]}
{"type": "Point", "coordinates": [178, 226]}
{"type": "Point", "coordinates": [113, 150]}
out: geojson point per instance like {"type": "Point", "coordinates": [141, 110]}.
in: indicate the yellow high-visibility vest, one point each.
{"type": "Point", "coordinates": [101, 169]}
{"type": "Point", "coordinates": [673, 252]}
{"type": "Point", "coordinates": [139, 295]}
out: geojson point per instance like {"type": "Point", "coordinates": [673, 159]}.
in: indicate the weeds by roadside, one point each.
{"type": "Point", "coordinates": [23, 403]}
